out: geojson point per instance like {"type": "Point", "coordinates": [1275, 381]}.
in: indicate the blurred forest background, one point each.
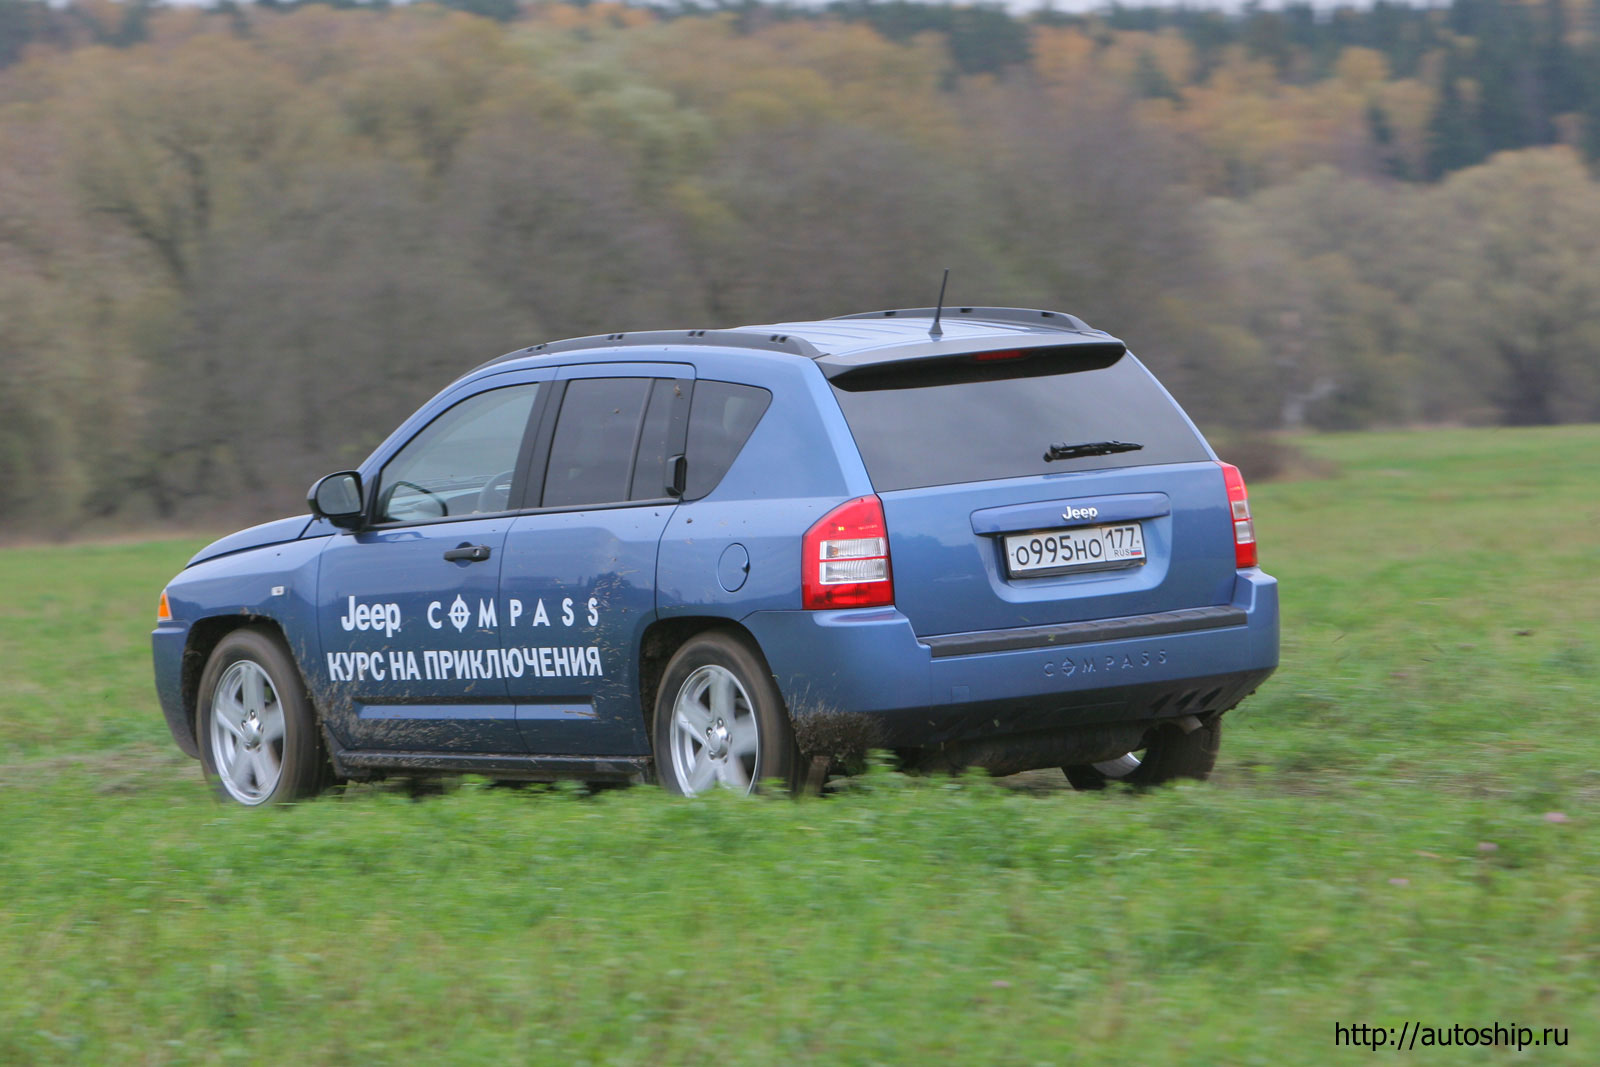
{"type": "Point", "coordinates": [238, 244]}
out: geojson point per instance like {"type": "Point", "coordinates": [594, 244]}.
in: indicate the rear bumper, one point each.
{"type": "Point", "coordinates": [864, 671]}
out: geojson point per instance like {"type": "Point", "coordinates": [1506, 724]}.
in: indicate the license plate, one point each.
{"type": "Point", "coordinates": [1080, 548]}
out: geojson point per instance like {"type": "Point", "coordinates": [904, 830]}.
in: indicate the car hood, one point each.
{"type": "Point", "coordinates": [268, 533]}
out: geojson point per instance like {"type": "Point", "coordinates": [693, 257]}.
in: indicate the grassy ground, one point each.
{"type": "Point", "coordinates": [1403, 829]}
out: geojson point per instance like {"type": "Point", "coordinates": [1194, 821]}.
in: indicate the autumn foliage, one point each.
{"type": "Point", "coordinates": [238, 244]}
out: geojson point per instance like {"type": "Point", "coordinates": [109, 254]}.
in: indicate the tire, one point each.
{"type": "Point", "coordinates": [1170, 754]}
{"type": "Point", "coordinates": [719, 719]}
{"type": "Point", "coordinates": [257, 730]}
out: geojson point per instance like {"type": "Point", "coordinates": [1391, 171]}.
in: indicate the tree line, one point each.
{"type": "Point", "coordinates": [1468, 79]}
{"type": "Point", "coordinates": [238, 244]}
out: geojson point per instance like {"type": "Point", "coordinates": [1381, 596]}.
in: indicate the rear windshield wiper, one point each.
{"type": "Point", "coordinates": [1062, 450]}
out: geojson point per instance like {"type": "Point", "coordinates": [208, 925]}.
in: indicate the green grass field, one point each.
{"type": "Point", "coordinates": [1378, 845]}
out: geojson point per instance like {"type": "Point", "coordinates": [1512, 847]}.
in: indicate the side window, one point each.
{"type": "Point", "coordinates": [592, 453]}
{"type": "Point", "coordinates": [462, 462]}
{"type": "Point", "coordinates": [720, 421]}
{"type": "Point", "coordinates": [663, 424]}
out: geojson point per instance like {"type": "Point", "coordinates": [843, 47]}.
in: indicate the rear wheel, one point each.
{"type": "Point", "coordinates": [258, 734]}
{"type": "Point", "coordinates": [720, 721]}
{"type": "Point", "coordinates": [1170, 754]}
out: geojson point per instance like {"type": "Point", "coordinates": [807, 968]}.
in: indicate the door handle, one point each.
{"type": "Point", "coordinates": [679, 465]}
{"type": "Point", "coordinates": [470, 553]}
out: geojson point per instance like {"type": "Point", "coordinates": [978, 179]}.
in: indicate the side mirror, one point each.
{"type": "Point", "coordinates": [337, 498]}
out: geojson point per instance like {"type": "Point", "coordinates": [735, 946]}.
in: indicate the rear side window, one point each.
{"type": "Point", "coordinates": [720, 421]}
{"type": "Point", "coordinates": [663, 424]}
{"type": "Point", "coordinates": [592, 454]}
{"type": "Point", "coordinates": [987, 424]}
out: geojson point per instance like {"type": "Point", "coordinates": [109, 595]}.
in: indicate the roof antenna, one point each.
{"type": "Point", "coordinates": [934, 331]}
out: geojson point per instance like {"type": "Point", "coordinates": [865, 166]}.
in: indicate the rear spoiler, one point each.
{"type": "Point", "coordinates": [969, 359]}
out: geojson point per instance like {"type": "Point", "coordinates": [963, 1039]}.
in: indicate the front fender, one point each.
{"type": "Point", "coordinates": [276, 583]}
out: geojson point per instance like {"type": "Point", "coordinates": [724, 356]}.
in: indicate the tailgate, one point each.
{"type": "Point", "coordinates": [952, 573]}
{"type": "Point", "coordinates": [1079, 448]}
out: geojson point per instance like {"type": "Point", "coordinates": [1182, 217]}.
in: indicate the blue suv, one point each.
{"type": "Point", "coordinates": [976, 537]}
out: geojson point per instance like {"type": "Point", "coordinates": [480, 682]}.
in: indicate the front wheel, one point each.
{"type": "Point", "coordinates": [1170, 754]}
{"type": "Point", "coordinates": [720, 720]}
{"type": "Point", "coordinates": [258, 733]}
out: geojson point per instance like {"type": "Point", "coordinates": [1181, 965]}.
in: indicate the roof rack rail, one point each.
{"type": "Point", "coordinates": [770, 342]}
{"type": "Point", "coordinates": [1050, 320]}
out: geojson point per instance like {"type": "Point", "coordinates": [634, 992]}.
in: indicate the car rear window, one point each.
{"type": "Point", "coordinates": [982, 421]}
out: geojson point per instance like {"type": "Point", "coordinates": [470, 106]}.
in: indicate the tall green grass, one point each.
{"type": "Point", "coordinates": [1377, 846]}
{"type": "Point", "coordinates": [75, 626]}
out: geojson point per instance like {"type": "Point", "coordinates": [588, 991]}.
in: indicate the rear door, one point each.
{"type": "Point", "coordinates": [578, 581]}
{"type": "Point", "coordinates": [987, 533]}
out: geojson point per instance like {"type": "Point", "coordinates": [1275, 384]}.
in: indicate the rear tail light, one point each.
{"type": "Point", "coordinates": [845, 558]}
{"type": "Point", "coordinates": [1244, 532]}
